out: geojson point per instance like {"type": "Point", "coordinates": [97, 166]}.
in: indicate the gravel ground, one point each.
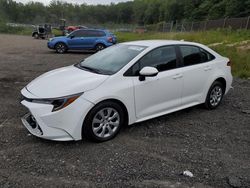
{"type": "Point", "coordinates": [213, 145]}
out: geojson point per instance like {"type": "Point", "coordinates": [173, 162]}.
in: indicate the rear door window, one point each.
{"type": "Point", "coordinates": [206, 56]}
{"type": "Point", "coordinates": [100, 34]}
{"type": "Point", "coordinates": [96, 34]}
{"type": "Point", "coordinates": [193, 55]}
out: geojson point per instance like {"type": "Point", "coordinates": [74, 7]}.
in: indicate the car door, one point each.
{"type": "Point", "coordinates": [92, 37]}
{"type": "Point", "coordinates": [156, 95]}
{"type": "Point", "coordinates": [197, 67]}
{"type": "Point", "coordinates": [77, 39]}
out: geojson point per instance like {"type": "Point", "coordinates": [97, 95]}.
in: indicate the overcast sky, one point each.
{"type": "Point", "coordinates": [77, 1]}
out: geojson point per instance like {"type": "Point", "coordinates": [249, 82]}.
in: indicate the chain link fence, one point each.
{"type": "Point", "coordinates": [175, 26]}
{"type": "Point", "coordinates": [233, 23]}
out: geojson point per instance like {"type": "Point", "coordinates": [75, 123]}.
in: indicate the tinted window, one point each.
{"type": "Point", "coordinates": [99, 33]}
{"type": "Point", "coordinates": [163, 59]}
{"type": "Point", "coordinates": [95, 33]}
{"type": "Point", "coordinates": [193, 55]}
{"type": "Point", "coordinates": [78, 33]}
{"type": "Point", "coordinates": [205, 56]}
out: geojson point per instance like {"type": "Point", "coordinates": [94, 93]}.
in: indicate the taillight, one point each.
{"type": "Point", "coordinates": [229, 63]}
{"type": "Point", "coordinates": [110, 39]}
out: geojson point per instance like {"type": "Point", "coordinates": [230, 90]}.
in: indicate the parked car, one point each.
{"type": "Point", "coordinates": [124, 84]}
{"type": "Point", "coordinates": [71, 28]}
{"type": "Point", "coordinates": [83, 39]}
{"type": "Point", "coordinates": [42, 31]}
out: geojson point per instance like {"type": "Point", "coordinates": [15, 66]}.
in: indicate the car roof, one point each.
{"type": "Point", "coordinates": [91, 29]}
{"type": "Point", "coordinates": [156, 43]}
{"type": "Point", "coordinates": [151, 44]}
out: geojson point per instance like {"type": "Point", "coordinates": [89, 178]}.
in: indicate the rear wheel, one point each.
{"type": "Point", "coordinates": [104, 121]}
{"type": "Point", "coordinates": [99, 47]}
{"type": "Point", "coordinates": [61, 48]}
{"type": "Point", "coordinates": [215, 95]}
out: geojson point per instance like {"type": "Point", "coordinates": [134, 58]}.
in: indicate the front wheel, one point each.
{"type": "Point", "coordinates": [215, 95]}
{"type": "Point", "coordinates": [61, 48]}
{"type": "Point", "coordinates": [36, 36]}
{"type": "Point", "coordinates": [104, 121]}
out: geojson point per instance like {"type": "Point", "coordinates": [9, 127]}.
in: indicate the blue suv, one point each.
{"type": "Point", "coordinates": [83, 39]}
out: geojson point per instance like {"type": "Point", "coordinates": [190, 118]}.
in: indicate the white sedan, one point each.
{"type": "Point", "coordinates": [124, 84]}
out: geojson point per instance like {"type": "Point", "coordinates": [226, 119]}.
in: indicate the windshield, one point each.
{"type": "Point", "coordinates": [112, 59]}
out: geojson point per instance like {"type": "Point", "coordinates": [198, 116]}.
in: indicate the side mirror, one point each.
{"type": "Point", "coordinates": [72, 36]}
{"type": "Point", "coordinates": [147, 72]}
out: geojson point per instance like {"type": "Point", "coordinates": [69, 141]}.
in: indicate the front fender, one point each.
{"type": "Point", "coordinates": [54, 43]}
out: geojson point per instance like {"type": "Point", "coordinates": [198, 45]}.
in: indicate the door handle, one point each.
{"type": "Point", "coordinates": [177, 76]}
{"type": "Point", "coordinates": [207, 68]}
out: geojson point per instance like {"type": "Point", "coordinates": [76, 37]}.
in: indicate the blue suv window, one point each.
{"type": "Point", "coordinates": [79, 33]}
{"type": "Point", "coordinates": [96, 33]}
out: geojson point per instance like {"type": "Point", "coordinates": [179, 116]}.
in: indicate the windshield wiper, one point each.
{"type": "Point", "coordinates": [88, 68]}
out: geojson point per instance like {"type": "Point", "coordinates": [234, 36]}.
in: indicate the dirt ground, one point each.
{"type": "Point", "coordinates": [213, 145]}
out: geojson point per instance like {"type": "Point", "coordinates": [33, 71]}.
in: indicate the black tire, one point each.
{"type": "Point", "coordinates": [89, 125]}
{"type": "Point", "coordinates": [215, 95]}
{"type": "Point", "coordinates": [35, 35]}
{"type": "Point", "coordinates": [99, 47]}
{"type": "Point", "coordinates": [61, 48]}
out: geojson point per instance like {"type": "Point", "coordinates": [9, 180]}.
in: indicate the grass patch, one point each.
{"type": "Point", "coordinates": [239, 57]}
{"type": "Point", "coordinates": [226, 36]}
{"type": "Point", "coordinates": [15, 30]}
{"type": "Point", "coordinates": [22, 30]}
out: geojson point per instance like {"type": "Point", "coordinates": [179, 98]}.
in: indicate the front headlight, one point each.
{"type": "Point", "coordinates": [51, 39]}
{"type": "Point", "coordinates": [58, 103]}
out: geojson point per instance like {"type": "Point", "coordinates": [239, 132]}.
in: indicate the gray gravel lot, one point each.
{"type": "Point", "coordinates": [213, 145]}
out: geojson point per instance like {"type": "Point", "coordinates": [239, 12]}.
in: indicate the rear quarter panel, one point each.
{"type": "Point", "coordinates": [219, 70]}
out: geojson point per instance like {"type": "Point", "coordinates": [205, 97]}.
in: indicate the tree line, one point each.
{"type": "Point", "coordinates": [140, 12]}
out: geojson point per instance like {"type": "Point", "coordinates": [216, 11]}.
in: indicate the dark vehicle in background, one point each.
{"type": "Point", "coordinates": [83, 39]}
{"type": "Point", "coordinates": [71, 28]}
{"type": "Point", "coordinates": [68, 29]}
{"type": "Point", "coordinates": [42, 31]}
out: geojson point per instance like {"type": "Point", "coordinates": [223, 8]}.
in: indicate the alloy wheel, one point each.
{"type": "Point", "coordinates": [106, 122]}
{"type": "Point", "coordinates": [99, 47]}
{"type": "Point", "coordinates": [60, 48]}
{"type": "Point", "coordinates": [216, 96]}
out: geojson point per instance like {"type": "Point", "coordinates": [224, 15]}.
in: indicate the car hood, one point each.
{"type": "Point", "coordinates": [61, 37]}
{"type": "Point", "coordinates": [64, 81]}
